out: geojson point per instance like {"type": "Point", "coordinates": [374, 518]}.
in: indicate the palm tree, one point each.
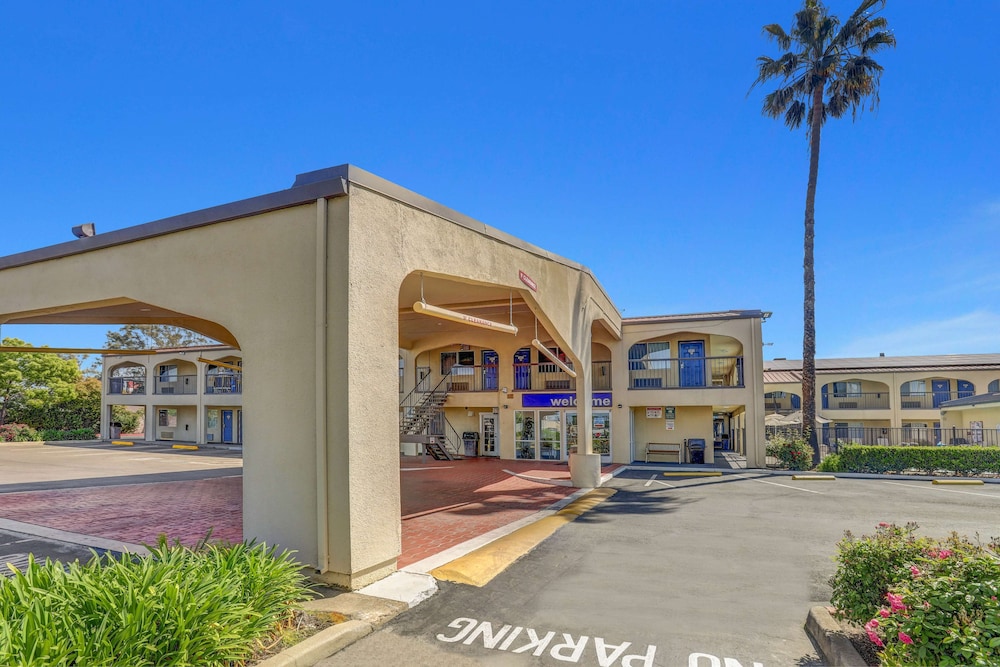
{"type": "Point", "coordinates": [826, 70]}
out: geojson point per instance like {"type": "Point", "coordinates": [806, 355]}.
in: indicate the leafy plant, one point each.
{"type": "Point", "coordinates": [55, 435]}
{"type": "Point", "coordinates": [213, 605]}
{"type": "Point", "coordinates": [923, 601]}
{"type": "Point", "coordinates": [957, 459]}
{"type": "Point", "coordinates": [830, 464]}
{"type": "Point", "coordinates": [792, 450]}
{"type": "Point", "coordinates": [17, 433]}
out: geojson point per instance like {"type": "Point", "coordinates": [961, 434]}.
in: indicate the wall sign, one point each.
{"type": "Point", "coordinates": [526, 279]}
{"type": "Point", "coordinates": [564, 400]}
{"type": "Point", "coordinates": [670, 412]}
{"type": "Point", "coordinates": [654, 413]}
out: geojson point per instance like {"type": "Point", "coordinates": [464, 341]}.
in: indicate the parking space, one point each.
{"type": "Point", "coordinates": [673, 571]}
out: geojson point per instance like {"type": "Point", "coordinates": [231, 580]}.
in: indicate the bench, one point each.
{"type": "Point", "coordinates": [664, 449]}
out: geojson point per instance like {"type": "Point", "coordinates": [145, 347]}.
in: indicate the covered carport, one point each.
{"type": "Point", "coordinates": [313, 284]}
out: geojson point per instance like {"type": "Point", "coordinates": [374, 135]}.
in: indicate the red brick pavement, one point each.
{"type": "Point", "coordinates": [444, 503]}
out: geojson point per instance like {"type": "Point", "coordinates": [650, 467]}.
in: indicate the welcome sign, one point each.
{"type": "Point", "coordinates": [565, 400]}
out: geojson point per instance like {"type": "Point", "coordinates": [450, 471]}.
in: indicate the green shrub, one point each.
{"type": "Point", "coordinates": [881, 459]}
{"type": "Point", "coordinates": [54, 435]}
{"type": "Point", "coordinates": [791, 449]}
{"type": "Point", "coordinates": [830, 464]}
{"type": "Point", "coordinates": [17, 433]}
{"type": "Point", "coordinates": [214, 605]}
{"type": "Point", "coordinates": [925, 601]}
{"type": "Point", "coordinates": [128, 419]}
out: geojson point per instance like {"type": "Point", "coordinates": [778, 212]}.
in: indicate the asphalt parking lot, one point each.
{"type": "Point", "coordinates": [673, 571]}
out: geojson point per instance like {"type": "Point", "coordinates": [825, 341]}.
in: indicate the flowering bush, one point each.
{"type": "Point", "coordinates": [17, 433]}
{"type": "Point", "coordinates": [938, 603]}
{"type": "Point", "coordinates": [792, 451]}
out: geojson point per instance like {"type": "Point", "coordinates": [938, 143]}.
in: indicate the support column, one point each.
{"type": "Point", "coordinates": [585, 465]}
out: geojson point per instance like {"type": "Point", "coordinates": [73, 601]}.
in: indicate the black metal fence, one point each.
{"type": "Point", "coordinates": [836, 436]}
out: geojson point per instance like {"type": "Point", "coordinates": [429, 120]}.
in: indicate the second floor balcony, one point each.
{"type": "Point", "coordinates": [929, 400]}
{"type": "Point", "coordinates": [862, 400]}
{"type": "Point", "coordinates": [527, 377]}
{"type": "Point", "coordinates": [686, 373]}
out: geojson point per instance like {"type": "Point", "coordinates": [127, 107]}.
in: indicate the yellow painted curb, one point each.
{"type": "Point", "coordinates": [714, 473]}
{"type": "Point", "coordinates": [805, 477]}
{"type": "Point", "coordinates": [185, 446]}
{"type": "Point", "coordinates": [959, 482]}
{"type": "Point", "coordinates": [479, 567]}
{"type": "Point", "coordinates": [123, 443]}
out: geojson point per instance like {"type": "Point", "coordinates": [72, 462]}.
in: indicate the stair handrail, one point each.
{"type": "Point", "coordinates": [407, 401]}
{"type": "Point", "coordinates": [455, 448]}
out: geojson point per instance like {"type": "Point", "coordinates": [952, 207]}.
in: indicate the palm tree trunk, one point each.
{"type": "Point", "coordinates": [809, 281]}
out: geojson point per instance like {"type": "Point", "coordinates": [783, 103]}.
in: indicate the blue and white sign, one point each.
{"type": "Point", "coordinates": [565, 400]}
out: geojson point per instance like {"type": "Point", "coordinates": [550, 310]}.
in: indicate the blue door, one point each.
{"type": "Point", "coordinates": [692, 355]}
{"type": "Point", "coordinates": [826, 398]}
{"type": "Point", "coordinates": [227, 426]}
{"type": "Point", "coordinates": [490, 359]}
{"type": "Point", "coordinates": [965, 389]}
{"type": "Point", "coordinates": [942, 391]}
{"type": "Point", "coordinates": [522, 369]}
{"type": "Point", "coordinates": [797, 401]}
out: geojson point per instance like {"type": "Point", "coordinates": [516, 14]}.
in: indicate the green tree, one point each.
{"type": "Point", "coordinates": [32, 379]}
{"type": "Point", "coordinates": [825, 71]}
{"type": "Point", "coordinates": [153, 337]}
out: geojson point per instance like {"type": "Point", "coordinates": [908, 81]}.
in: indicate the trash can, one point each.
{"type": "Point", "coordinates": [471, 441]}
{"type": "Point", "coordinates": [115, 430]}
{"type": "Point", "coordinates": [696, 450]}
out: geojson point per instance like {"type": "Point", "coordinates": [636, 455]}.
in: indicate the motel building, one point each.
{"type": "Point", "coordinates": [371, 321]}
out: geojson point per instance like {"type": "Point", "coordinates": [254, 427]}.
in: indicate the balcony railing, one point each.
{"type": "Point", "coordinates": [835, 436]}
{"type": "Point", "coordinates": [685, 373]}
{"type": "Point", "coordinates": [527, 377]}
{"type": "Point", "coordinates": [176, 384]}
{"type": "Point", "coordinates": [126, 386]}
{"type": "Point", "coordinates": [224, 384]}
{"type": "Point", "coordinates": [866, 400]}
{"type": "Point", "coordinates": [929, 400]}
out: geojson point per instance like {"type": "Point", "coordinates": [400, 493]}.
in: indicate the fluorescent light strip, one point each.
{"type": "Point", "coordinates": [462, 318]}
{"type": "Point", "coordinates": [537, 344]}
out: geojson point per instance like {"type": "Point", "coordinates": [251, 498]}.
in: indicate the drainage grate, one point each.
{"type": "Point", "coordinates": [20, 561]}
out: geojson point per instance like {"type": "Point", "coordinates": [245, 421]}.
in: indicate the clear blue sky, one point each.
{"type": "Point", "coordinates": [619, 135]}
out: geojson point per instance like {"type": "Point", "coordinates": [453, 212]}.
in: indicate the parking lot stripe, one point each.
{"type": "Point", "coordinates": [479, 567]}
{"type": "Point", "coordinates": [940, 490]}
{"type": "Point", "coordinates": [794, 488]}
{"type": "Point", "coordinates": [653, 479]}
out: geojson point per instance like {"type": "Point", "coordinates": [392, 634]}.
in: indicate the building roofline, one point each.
{"type": "Point", "coordinates": [979, 400]}
{"type": "Point", "coordinates": [694, 317]}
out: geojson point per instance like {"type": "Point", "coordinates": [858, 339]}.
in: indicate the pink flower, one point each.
{"type": "Point", "coordinates": [895, 601]}
{"type": "Point", "coordinates": [884, 613]}
{"type": "Point", "coordinates": [883, 524]}
{"type": "Point", "coordinates": [914, 571]}
{"type": "Point", "coordinates": [875, 639]}
{"type": "Point", "coordinates": [944, 553]}
{"type": "Point", "coordinates": [905, 638]}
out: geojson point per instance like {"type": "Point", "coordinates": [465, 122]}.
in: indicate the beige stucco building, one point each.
{"type": "Point", "coordinates": [346, 286]}
{"type": "Point", "coordinates": [885, 400]}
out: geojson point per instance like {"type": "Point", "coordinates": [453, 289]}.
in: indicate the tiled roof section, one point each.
{"type": "Point", "coordinates": [782, 377]}
{"type": "Point", "coordinates": [965, 362]}
{"type": "Point", "coordinates": [979, 399]}
{"type": "Point", "coordinates": [694, 317]}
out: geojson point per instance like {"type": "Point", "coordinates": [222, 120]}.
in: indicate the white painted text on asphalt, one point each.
{"type": "Point", "coordinates": [564, 646]}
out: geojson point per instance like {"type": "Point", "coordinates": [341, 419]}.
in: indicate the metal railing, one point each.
{"type": "Point", "coordinates": [527, 377]}
{"type": "Point", "coordinates": [866, 400]}
{"type": "Point", "coordinates": [176, 384]}
{"type": "Point", "coordinates": [930, 400]}
{"type": "Point", "coordinates": [224, 383]}
{"type": "Point", "coordinates": [837, 436]}
{"type": "Point", "coordinates": [126, 386]}
{"type": "Point", "coordinates": [685, 373]}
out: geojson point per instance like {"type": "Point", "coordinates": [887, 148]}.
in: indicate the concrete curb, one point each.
{"type": "Point", "coordinates": [834, 646]}
{"type": "Point", "coordinates": [366, 614]}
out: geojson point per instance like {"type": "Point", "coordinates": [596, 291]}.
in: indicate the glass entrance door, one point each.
{"type": "Point", "coordinates": [601, 433]}
{"type": "Point", "coordinates": [488, 434]}
{"type": "Point", "coordinates": [550, 435]}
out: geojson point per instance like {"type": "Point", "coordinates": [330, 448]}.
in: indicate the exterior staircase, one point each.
{"type": "Point", "coordinates": [421, 412]}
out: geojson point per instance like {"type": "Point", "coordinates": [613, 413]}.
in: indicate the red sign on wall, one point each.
{"type": "Point", "coordinates": [526, 279]}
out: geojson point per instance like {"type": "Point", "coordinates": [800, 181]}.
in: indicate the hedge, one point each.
{"type": "Point", "coordinates": [957, 459]}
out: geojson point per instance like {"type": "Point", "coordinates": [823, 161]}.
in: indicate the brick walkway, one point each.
{"type": "Point", "coordinates": [444, 503]}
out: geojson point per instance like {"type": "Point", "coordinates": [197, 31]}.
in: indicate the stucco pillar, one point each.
{"type": "Point", "coordinates": [584, 465]}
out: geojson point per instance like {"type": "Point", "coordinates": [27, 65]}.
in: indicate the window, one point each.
{"type": "Point", "coordinates": [652, 355]}
{"type": "Point", "coordinates": [847, 389]}
{"type": "Point", "coordinates": [461, 358]}
{"type": "Point", "coordinates": [552, 368]}
{"type": "Point", "coordinates": [168, 373]}
{"type": "Point", "coordinates": [913, 388]}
